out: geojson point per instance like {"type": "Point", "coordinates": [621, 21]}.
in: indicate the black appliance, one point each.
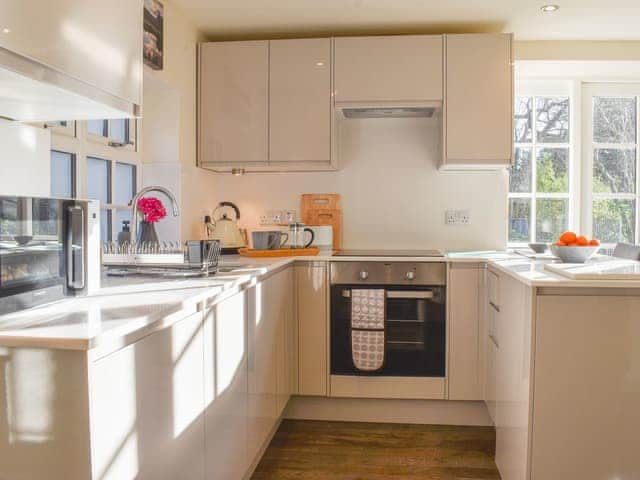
{"type": "Point", "coordinates": [415, 318]}
{"type": "Point", "coordinates": [43, 250]}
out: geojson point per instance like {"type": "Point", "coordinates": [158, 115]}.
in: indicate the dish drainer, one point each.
{"type": "Point", "coordinates": [168, 259]}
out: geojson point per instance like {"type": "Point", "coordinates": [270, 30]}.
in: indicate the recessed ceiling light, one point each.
{"type": "Point", "coordinates": [6, 30]}
{"type": "Point", "coordinates": [549, 8]}
{"type": "Point", "coordinates": [320, 64]}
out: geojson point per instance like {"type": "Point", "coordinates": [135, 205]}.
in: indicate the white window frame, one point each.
{"type": "Point", "coordinates": [83, 145]}
{"type": "Point", "coordinates": [591, 90]}
{"type": "Point", "coordinates": [107, 140]}
{"type": "Point", "coordinates": [549, 88]}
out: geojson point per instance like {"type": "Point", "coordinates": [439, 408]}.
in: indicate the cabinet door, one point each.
{"type": "Point", "coordinates": [226, 394]}
{"type": "Point", "coordinates": [379, 69]}
{"type": "Point", "coordinates": [98, 42]}
{"type": "Point", "coordinates": [513, 332]}
{"type": "Point", "coordinates": [311, 287]}
{"type": "Point", "coordinates": [263, 366]}
{"type": "Point", "coordinates": [478, 99]}
{"type": "Point", "coordinates": [300, 100]}
{"type": "Point", "coordinates": [283, 293]}
{"type": "Point", "coordinates": [147, 407]}
{"type": "Point", "coordinates": [464, 332]}
{"type": "Point", "coordinates": [234, 85]}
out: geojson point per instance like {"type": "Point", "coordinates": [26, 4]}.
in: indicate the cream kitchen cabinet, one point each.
{"type": "Point", "coordinates": [271, 371]}
{"type": "Point", "coordinates": [388, 69]}
{"type": "Point", "coordinates": [146, 407]}
{"type": "Point", "coordinates": [226, 388]}
{"type": "Point", "coordinates": [465, 381]}
{"type": "Point", "coordinates": [300, 111]}
{"type": "Point", "coordinates": [478, 106]}
{"type": "Point", "coordinates": [313, 362]}
{"type": "Point", "coordinates": [233, 103]}
{"type": "Point", "coordinates": [90, 47]}
{"type": "Point", "coordinates": [266, 105]}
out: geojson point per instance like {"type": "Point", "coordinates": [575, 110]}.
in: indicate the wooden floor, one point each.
{"type": "Point", "coordinates": [306, 450]}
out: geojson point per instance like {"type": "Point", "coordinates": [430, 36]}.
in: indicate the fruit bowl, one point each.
{"type": "Point", "coordinates": [574, 254]}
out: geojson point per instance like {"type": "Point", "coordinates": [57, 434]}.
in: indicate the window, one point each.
{"type": "Point", "coordinates": [113, 191]}
{"type": "Point", "coordinates": [84, 167]}
{"type": "Point", "coordinates": [63, 174]}
{"type": "Point", "coordinates": [612, 158]}
{"type": "Point", "coordinates": [118, 133]}
{"type": "Point", "coordinates": [540, 179]}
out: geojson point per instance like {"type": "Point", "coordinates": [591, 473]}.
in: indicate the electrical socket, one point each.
{"type": "Point", "coordinates": [272, 217]}
{"type": "Point", "coordinates": [290, 216]}
{"type": "Point", "coordinates": [457, 217]}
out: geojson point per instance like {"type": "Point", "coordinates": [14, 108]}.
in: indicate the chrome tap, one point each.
{"type": "Point", "coordinates": [134, 206]}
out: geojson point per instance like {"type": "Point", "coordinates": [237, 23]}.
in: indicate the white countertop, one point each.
{"type": "Point", "coordinates": [127, 309]}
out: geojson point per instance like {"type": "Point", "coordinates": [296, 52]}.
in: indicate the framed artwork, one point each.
{"type": "Point", "coordinates": [153, 33]}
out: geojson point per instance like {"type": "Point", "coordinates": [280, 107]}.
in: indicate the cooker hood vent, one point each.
{"type": "Point", "coordinates": [388, 112]}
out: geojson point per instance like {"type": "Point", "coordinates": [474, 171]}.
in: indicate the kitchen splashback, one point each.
{"type": "Point", "coordinates": [392, 194]}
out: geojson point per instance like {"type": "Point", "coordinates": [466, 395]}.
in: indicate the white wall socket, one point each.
{"type": "Point", "coordinates": [272, 217]}
{"type": "Point", "coordinates": [457, 217]}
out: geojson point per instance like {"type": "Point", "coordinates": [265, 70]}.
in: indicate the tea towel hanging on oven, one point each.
{"type": "Point", "coordinates": [367, 328]}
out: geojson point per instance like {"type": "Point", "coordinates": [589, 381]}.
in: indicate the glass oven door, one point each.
{"type": "Point", "coordinates": [415, 331]}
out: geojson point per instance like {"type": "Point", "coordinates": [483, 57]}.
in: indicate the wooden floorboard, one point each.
{"type": "Point", "coordinates": [314, 450]}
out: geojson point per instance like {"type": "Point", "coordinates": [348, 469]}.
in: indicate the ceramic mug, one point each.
{"type": "Point", "coordinates": [269, 240]}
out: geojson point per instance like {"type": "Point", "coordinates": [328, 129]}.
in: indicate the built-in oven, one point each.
{"type": "Point", "coordinates": [388, 319]}
{"type": "Point", "coordinates": [48, 250]}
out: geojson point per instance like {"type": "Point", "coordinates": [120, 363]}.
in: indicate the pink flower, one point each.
{"type": "Point", "coordinates": [152, 209]}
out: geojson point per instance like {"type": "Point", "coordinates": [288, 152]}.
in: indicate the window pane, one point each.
{"type": "Point", "coordinates": [519, 219]}
{"type": "Point", "coordinates": [552, 119]}
{"type": "Point", "coordinates": [523, 120]}
{"type": "Point", "coordinates": [125, 183]}
{"type": "Point", "coordinates": [614, 170]}
{"type": "Point", "coordinates": [62, 174]}
{"type": "Point", "coordinates": [552, 166]}
{"type": "Point", "coordinates": [105, 225]}
{"type": "Point", "coordinates": [552, 218]}
{"type": "Point", "coordinates": [119, 131]}
{"type": "Point", "coordinates": [99, 180]}
{"type": "Point", "coordinates": [614, 220]}
{"type": "Point", "coordinates": [520, 171]}
{"type": "Point", "coordinates": [614, 120]}
{"type": "Point", "coordinates": [97, 127]}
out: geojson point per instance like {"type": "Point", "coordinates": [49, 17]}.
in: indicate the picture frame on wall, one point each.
{"type": "Point", "coordinates": [153, 34]}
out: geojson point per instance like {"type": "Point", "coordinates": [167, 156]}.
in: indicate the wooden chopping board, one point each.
{"type": "Point", "coordinates": [323, 209]}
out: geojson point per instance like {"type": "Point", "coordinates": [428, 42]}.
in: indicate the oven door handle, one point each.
{"type": "Point", "coordinates": [400, 294]}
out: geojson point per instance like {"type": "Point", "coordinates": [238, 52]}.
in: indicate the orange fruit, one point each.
{"type": "Point", "coordinates": [582, 241]}
{"type": "Point", "coordinates": [568, 237]}
{"type": "Point", "coordinates": [560, 243]}
{"type": "Point", "coordinates": [594, 242]}
{"type": "Point", "coordinates": [573, 244]}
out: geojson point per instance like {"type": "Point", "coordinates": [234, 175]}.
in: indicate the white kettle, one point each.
{"type": "Point", "coordinates": [226, 230]}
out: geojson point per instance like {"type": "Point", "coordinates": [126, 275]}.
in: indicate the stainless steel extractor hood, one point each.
{"type": "Point", "coordinates": [400, 109]}
{"type": "Point", "coordinates": [31, 92]}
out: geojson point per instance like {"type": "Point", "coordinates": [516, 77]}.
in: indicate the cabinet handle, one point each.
{"type": "Point", "coordinates": [494, 306]}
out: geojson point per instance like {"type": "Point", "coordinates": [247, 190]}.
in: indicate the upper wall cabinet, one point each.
{"type": "Point", "coordinates": [300, 100]}
{"type": "Point", "coordinates": [234, 103]}
{"type": "Point", "coordinates": [266, 105]}
{"type": "Point", "coordinates": [478, 100]}
{"type": "Point", "coordinates": [71, 59]}
{"type": "Point", "coordinates": [404, 68]}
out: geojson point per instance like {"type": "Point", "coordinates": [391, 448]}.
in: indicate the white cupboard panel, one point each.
{"type": "Point", "coordinates": [478, 99]}
{"type": "Point", "coordinates": [388, 68]}
{"type": "Point", "coordinates": [147, 407]}
{"type": "Point", "coordinates": [226, 393]}
{"type": "Point", "coordinates": [234, 102]}
{"type": "Point", "coordinates": [300, 100]}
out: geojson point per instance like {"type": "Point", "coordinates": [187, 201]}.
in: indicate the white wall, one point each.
{"type": "Point", "coordinates": [25, 160]}
{"type": "Point", "coordinates": [392, 194]}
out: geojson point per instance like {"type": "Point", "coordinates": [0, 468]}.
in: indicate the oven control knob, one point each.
{"type": "Point", "coordinates": [363, 275]}
{"type": "Point", "coordinates": [410, 275]}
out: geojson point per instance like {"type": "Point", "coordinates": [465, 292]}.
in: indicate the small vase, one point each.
{"type": "Point", "coordinates": [147, 233]}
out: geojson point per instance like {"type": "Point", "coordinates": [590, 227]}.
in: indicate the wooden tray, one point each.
{"type": "Point", "coordinates": [323, 209]}
{"type": "Point", "coordinates": [283, 252]}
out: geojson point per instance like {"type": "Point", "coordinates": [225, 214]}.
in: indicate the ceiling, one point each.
{"type": "Point", "coordinates": [576, 19]}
